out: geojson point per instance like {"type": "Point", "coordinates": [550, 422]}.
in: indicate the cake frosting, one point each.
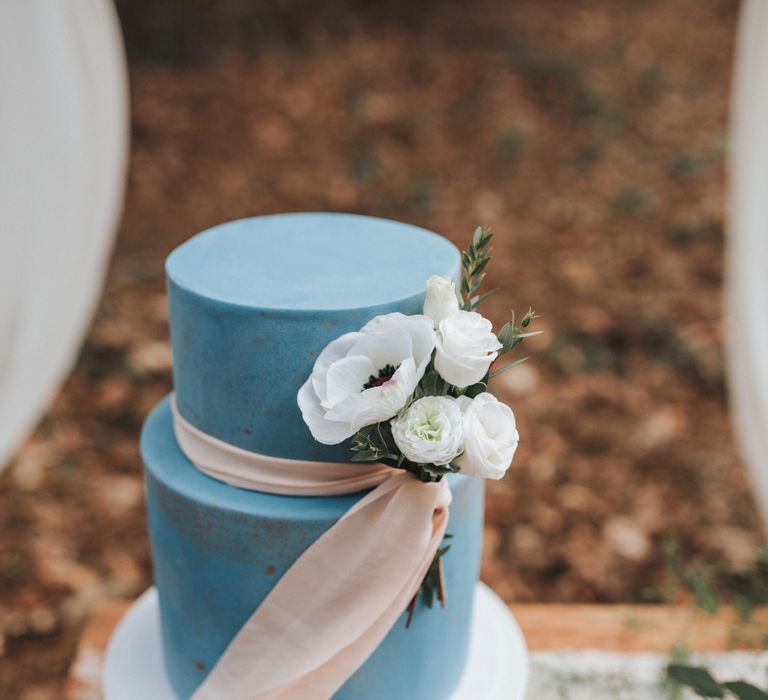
{"type": "Point", "coordinates": [252, 303]}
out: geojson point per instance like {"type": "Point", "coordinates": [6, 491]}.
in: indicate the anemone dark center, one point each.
{"type": "Point", "coordinates": [385, 374]}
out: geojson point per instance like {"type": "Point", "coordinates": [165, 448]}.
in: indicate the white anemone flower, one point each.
{"type": "Point", "coordinates": [366, 377]}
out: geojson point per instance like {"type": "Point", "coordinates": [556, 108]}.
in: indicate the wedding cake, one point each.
{"type": "Point", "coordinates": [253, 304]}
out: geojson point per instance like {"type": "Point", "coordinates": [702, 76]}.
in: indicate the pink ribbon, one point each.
{"type": "Point", "coordinates": [335, 605]}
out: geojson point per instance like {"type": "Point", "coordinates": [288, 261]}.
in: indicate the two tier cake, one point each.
{"type": "Point", "coordinates": [252, 304]}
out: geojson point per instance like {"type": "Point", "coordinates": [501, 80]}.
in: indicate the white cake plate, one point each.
{"type": "Point", "coordinates": [497, 668]}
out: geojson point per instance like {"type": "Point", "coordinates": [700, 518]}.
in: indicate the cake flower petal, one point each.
{"type": "Point", "coordinates": [490, 436]}
{"type": "Point", "coordinates": [366, 377]}
{"type": "Point", "coordinates": [466, 347]}
{"type": "Point", "coordinates": [430, 431]}
{"type": "Point", "coordinates": [441, 301]}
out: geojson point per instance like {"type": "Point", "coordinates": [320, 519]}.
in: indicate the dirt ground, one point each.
{"type": "Point", "coordinates": [590, 135]}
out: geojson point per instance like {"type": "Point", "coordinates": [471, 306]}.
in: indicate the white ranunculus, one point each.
{"type": "Point", "coordinates": [441, 301]}
{"type": "Point", "coordinates": [430, 431]}
{"type": "Point", "coordinates": [466, 347]}
{"type": "Point", "coordinates": [490, 436]}
{"type": "Point", "coordinates": [366, 377]}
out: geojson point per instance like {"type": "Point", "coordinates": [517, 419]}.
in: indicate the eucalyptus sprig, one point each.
{"type": "Point", "coordinates": [474, 260]}
{"type": "Point", "coordinates": [433, 585]}
{"type": "Point", "coordinates": [511, 335]}
{"type": "Point", "coordinates": [434, 582]}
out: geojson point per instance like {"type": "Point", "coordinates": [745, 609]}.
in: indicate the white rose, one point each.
{"type": "Point", "coordinates": [366, 377]}
{"type": "Point", "coordinates": [490, 436]}
{"type": "Point", "coordinates": [430, 431]}
{"type": "Point", "coordinates": [441, 301]}
{"type": "Point", "coordinates": [466, 347]}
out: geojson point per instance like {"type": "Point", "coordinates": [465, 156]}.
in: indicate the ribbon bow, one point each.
{"type": "Point", "coordinates": [338, 601]}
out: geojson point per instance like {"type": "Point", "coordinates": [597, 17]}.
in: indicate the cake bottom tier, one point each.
{"type": "Point", "coordinates": [217, 552]}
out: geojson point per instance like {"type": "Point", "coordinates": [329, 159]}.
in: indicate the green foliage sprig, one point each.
{"type": "Point", "coordinates": [511, 335]}
{"type": "Point", "coordinates": [700, 680]}
{"type": "Point", "coordinates": [374, 443]}
{"type": "Point", "coordinates": [708, 585]}
{"type": "Point", "coordinates": [434, 584]}
{"type": "Point", "coordinates": [474, 260]}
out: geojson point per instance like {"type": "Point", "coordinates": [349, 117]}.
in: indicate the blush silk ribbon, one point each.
{"type": "Point", "coordinates": [337, 602]}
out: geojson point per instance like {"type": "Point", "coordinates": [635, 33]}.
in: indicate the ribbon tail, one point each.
{"type": "Point", "coordinates": [337, 602]}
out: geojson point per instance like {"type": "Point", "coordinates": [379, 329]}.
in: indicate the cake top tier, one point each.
{"type": "Point", "coordinates": [254, 302]}
{"type": "Point", "coordinates": [310, 262]}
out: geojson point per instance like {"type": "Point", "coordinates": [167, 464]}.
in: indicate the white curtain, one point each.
{"type": "Point", "coordinates": [747, 269]}
{"type": "Point", "coordinates": [63, 146]}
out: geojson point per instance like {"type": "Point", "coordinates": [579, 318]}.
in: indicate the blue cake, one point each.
{"type": "Point", "coordinates": [252, 303]}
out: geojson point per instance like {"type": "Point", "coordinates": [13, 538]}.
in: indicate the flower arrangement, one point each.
{"type": "Point", "coordinates": [412, 391]}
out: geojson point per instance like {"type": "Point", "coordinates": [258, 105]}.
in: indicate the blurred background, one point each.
{"type": "Point", "coordinates": [590, 135]}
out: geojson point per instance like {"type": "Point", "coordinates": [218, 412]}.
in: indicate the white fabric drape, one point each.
{"type": "Point", "coordinates": [63, 147]}
{"type": "Point", "coordinates": [747, 268]}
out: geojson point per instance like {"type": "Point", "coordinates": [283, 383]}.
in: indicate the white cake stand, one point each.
{"type": "Point", "coordinates": [497, 668]}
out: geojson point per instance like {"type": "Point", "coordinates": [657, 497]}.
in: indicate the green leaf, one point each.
{"type": "Point", "coordinates": [528, 318]}
{"type": "Point", "coordinates": [507, 336]}
{"type": "Point", "coordinates": [471, 391]}
{"type": "Point", "coordinates": [745, 691]}
{"type": "Point", "coordinates": [475, 301]}
{"type": "Point", "coordinates": [429, 383]}
{"type": "Point", "coordinates": [365, 456]}
{"type": "Point", "coordinates": [432, 584]}
{"type": "Point", "coordinates": [707, 596]}
{"type": "Point", "coordinates": [432, 384]}
{"type": "Point", "coordinates": [745, 606]}
{"type": "Point", "coordinates": [511, 336]}
{"type": "Point", "coordinates": [430, 473]}
{"type": "Point", "coordinates": [476, 282]}
{"type": "Point", "coordinates": [696, 678]}
{"type": "Point", "coordinates": [481, 266]}
{"type": "Point", "coordinates": [482, 237]}
{"type": "Point", "coordinates": [508, 367]}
